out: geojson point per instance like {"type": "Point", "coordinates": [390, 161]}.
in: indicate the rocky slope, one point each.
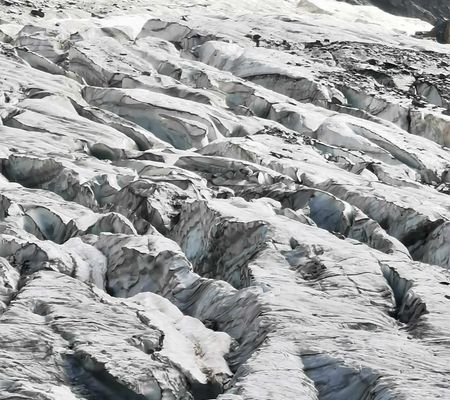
{"type": "Point", "coordinates": [207, 200]}
{"type": "Point", "coordinates": [428, 10]}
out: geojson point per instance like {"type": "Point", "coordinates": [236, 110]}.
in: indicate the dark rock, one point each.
{"type": "Point", "coordinates": [441, 32]}
{"type": "Point", "coordinates": [37, 13]}
{"type": "Point", "coordinates": [256, 39]}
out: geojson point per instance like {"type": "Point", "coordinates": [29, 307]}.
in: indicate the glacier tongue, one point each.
{"type": "Point", "coordinates": [214, 199]}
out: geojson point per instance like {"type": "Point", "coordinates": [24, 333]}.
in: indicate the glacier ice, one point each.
{"type": "Point", "coordinates": [231, 200]}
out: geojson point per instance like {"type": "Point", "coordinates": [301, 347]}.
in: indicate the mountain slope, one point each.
{"type": "Point", "coordinates": [428, 10]}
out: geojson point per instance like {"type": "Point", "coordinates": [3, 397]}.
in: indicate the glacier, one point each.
{"type": "Point", "coordinates": [228, 200]}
